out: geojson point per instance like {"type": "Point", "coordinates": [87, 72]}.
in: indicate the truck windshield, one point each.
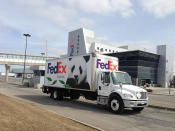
{"type": "Point", "coordinates": [121, 77]}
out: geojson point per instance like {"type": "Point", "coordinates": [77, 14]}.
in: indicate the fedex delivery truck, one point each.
{"type": "Point", "coordinates": [96, 77]}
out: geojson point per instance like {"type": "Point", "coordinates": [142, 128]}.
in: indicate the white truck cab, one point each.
{"type": "Point", "coordinates": [115, 89]}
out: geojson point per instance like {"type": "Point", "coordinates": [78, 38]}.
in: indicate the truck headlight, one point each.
{"type": "Point", "coordinates": [127, 95]}
{"type": "Point", "coordinates": [138, 94]}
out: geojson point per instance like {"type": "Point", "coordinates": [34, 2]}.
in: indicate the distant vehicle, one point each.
{"type": "Point", "coordinates": [96, 77]}
{"type": "Point", "coordinates": [38, 77]}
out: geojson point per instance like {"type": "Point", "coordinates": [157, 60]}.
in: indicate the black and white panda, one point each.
{"type": "Point", "coordinates": [77, 73]}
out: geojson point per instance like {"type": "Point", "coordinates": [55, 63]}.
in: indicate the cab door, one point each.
{"type": "Point", "coordinates": [104, 83]}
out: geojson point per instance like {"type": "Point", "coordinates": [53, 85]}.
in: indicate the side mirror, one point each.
{"type": "Point", "coordinates": [106, 84]}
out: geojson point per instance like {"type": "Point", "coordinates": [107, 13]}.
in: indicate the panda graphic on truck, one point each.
{"type": "Point", "coordinates": [77, 72]}
{"type": "Point", "coordinates": [70, 72]}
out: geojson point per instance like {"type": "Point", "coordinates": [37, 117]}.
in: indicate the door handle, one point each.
{"type": "Point", "coordinates": [99, 88]}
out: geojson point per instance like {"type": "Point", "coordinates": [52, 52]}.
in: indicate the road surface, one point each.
{"type": "Point", "coordinates": [149, 119]}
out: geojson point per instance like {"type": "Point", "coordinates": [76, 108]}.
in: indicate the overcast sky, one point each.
{"type": "Point", "coordinates": [140, 23]}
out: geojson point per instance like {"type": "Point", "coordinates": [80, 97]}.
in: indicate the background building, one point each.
{"type": "Point", "coordinates": [166, 64]}
{"type": "Point", "coordinates": [19, 72]}
{"type": "Point", "coordinates": [143, 66]}
{"type": "Point", "coordinates": [38, 78]}
{"type": "Point", "coordinates": [83, 41]}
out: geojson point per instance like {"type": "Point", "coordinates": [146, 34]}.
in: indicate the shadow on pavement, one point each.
{"type": "Point", "coordinates": [80, 105]}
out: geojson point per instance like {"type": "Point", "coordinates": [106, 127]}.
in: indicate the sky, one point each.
{"type": "Point", "coordinates": [139, 23]}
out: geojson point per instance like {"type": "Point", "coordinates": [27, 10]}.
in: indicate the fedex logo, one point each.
{"type": "Point", "coordinates": [108, 66]}
{"type": "Point", "coordinates": [59, 68]}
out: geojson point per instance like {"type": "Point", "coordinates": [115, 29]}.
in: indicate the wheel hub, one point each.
{"type": "Point", "coordinates": [114, 105]}
{"type": "Point", "coordinates": [55, 94]}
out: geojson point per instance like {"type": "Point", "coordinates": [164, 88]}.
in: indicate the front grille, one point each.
{"type": "Point", "coordinates": [143, 95]}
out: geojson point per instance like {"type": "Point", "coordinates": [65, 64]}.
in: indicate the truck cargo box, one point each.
{"type": "Point", "coordinates": [77, 72]}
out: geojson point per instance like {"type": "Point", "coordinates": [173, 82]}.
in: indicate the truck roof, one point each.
{"type": "Point", "coordinates": [94, 54]}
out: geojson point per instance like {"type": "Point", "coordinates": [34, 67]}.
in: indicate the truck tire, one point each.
{"type": "Point", "coordinates": [74, 96]}
{"type": "Point", "coordinates": [44, 90]}
{"type": "Point", "coordinates": [60, 95]}
{"type": "Point", "coordinates": [116, 104]}
{"type": "Point", "coordinates": [51, 94]}
{"type": "Point", "coordinates": [138, 109]}
{"type": "Point", "coordinates": [55, 94]}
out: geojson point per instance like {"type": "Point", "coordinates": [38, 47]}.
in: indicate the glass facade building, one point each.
{"type": "Point", "coordinates": [141, 66]}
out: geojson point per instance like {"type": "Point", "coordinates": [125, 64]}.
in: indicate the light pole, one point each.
{"type": "Point", "coordinates": [43, 55]}
{"type": "Point", "coordinates": [26, 35]}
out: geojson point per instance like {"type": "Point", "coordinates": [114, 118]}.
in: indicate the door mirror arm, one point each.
{"type": "Point", "coordinates": [121, 85]}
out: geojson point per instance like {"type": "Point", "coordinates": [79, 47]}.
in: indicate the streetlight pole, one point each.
{"type": "Point", "coordinates": [26, 35]}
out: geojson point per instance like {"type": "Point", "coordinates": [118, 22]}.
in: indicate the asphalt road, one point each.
{"type": "Point", "coordinates": [149, 119]}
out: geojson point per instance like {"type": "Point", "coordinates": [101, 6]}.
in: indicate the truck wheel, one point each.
{"type": "Point", "coordinates": [55, 95]}
{"type": "Point", "coordinates": [138, 109]}
{"type": "Point", "coordinates": [116, 104]}
{"type": "Point", "coordinates": [74, 96]}
{"type": "Point", "coordinates": [51, 94]}
{"type": "Point", "coordinates": [44, 90]}
{"type": "Point", "coordinates": [60, 95]}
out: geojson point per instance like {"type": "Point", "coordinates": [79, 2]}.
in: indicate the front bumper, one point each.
{"type": "Point", "coordinates": [135, 103]}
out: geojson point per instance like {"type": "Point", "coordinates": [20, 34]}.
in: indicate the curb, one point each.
{"type": "Point", "coordinates": [162, 94]}
{"type": "Point", "coordinates": [161, 107]}
{"type": "Point", "coordinates": [83, 123]}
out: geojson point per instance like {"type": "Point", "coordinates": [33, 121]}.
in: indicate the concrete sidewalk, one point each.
{"type": "Point", "coordinates": [162, 98]}
{"type": "Point", "coordinates": [162, 101]}
{"type": "Point", "coordinates": [162, 91]}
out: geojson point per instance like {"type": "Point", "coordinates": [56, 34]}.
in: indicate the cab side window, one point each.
{"type": "Point", "coordinates": [107, 77]}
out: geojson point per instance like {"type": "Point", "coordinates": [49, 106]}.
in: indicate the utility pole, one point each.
{"type": "Point", "coordinates": [26, 35]}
